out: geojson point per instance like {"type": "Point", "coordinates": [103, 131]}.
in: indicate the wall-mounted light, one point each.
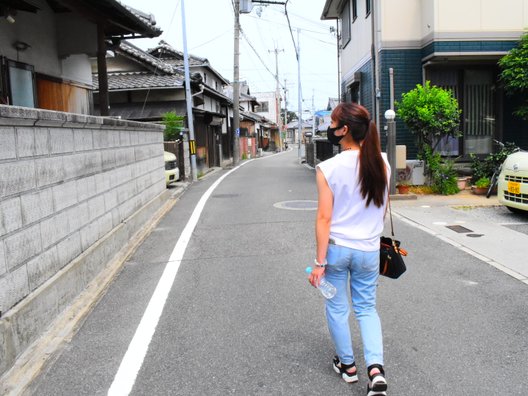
{"type": "Point", "coordinates": [21, 45]}
{"type": "Point", "coordinates": [8, 13]}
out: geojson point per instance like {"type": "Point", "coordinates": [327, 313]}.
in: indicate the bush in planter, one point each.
{"type": "Point", "coordinates": [483, 182]}
{"type": "Point", "coordinates": [403, 187]}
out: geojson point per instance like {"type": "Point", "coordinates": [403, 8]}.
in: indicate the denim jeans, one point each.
{"type": "Point", "coordinates": [361, 269]}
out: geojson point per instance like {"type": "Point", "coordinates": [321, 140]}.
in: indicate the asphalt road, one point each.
{"type": "Point", "coordinates": [241, 318]}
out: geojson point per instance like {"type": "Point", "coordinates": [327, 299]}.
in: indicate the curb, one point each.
{"type": "Point", "coordinates": [403, 197]}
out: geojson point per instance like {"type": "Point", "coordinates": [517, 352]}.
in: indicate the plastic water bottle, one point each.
{"type": "Point", "coordinates": [327, 289]}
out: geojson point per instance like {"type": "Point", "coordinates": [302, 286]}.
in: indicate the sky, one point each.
{"type": "Point", "coordinates": [210, 34]}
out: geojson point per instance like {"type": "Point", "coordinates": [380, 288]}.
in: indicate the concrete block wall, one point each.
{"type": "Point", "coordinates": [67, 181]}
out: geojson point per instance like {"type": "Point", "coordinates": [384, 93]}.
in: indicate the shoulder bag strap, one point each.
{"type": "Point", "coordinates": [390, 210]}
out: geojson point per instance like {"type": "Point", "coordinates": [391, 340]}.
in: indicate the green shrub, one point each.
{"type": "Point", "coordinates": [430, 113]}
{"type": "Point", "coordinates": [484, 167]}
{"type": "Point", "coordinates": [442, 171]}
{"type": "Point", "coordinates": [514, 74]}
{"type": "Point", "coordinates": [173, 126]}
{"type": "Point", "coordinates": [483, 182]}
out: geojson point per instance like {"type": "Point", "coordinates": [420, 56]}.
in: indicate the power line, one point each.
{"type": "Point", "coordinates": [213, 39]}
{"type": "Point", "coordinates": [256, 53]}
{"type": "Point", "coordinates": [285, 25]}
{"type": "Point", "coordinates": [291, 33]}
{"type": "Point", "coordinates": [318, 24]}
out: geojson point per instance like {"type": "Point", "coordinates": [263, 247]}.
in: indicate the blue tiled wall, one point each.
{"type": "Point", "coordinates": [366, 86]}
{"type": "Point", "coordinates": [467, 46]}
{"type": "Point", "coordinates": [407, 66]}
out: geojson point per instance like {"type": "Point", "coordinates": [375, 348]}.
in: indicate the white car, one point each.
{"type": "Point", "coordinates": [512, 188]}
{"type": "Point", "coordinates": [172, 172]}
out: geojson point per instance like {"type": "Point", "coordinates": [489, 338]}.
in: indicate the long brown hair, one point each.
{"type": "Point", "coordinates": [372, 175]}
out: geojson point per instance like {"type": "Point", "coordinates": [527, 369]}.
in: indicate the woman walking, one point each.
{"type": "Point", "coordinates": [353, 193]}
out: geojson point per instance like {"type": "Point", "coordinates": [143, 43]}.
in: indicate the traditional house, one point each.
{"type": "Point", "coordinates": [252, 125]}
{"type": "Point", "coordinates": [211, 111]}
{"type": "Point", "coordinates": [144, 85]}
{"type": "Point", "coordinates": [453, 44]}
{"type": "Point", "coordinates": [74, 188]}
{"type": "Point", "coordinates": [46, 46]}
{"type": "Point", "coordinates": [269, 107]}
{"type": "Point", "coordinates": [292, 130]}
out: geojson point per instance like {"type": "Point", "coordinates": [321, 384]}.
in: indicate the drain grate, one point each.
{"type": "Point", "coordinates": [474, 235]}
{"type": "Point", "coordinates": [458, 228]}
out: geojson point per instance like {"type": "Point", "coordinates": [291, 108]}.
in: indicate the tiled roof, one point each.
{"type": "Point", "coordinates": [147, 19]}
{"type": "Point", "coordinates": [139, 80]}
{"type": "Point", "coordinates": [171, 55]}
{"type": "Point", "coordinates": [168, 52]}
{"type": "Point", "coordinates": [146, 57]}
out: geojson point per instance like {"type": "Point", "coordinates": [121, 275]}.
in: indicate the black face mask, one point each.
{"type": "Point", "coordinates": [332, 138]}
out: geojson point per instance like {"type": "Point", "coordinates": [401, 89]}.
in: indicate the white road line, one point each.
{"type": "Point", "coordinates": [137, 349]}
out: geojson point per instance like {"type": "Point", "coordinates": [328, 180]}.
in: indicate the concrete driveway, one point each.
{"type": "Point", "coordinates": [477, 225]}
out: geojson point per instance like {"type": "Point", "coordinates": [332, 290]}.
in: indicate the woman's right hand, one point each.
{"type": "Point", "coordinates": [315, 276]}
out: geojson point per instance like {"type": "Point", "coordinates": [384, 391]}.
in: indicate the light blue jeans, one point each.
{"type": "Point", "coordinates": [361, 269]}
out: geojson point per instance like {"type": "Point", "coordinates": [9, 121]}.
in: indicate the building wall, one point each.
{"type": "Point", "coordinates": [401, 23]}
{"type": "Point", "coordinates": [358, 48]}
{"type": "Point", "coordinates": [413, 23]}
{"type": "Point", "coordinates": [269, 97]}
{"type": "Point", "coordinates": [42, 31]}
{"type": "Point", "coordinates": [480, 16]}
{"type": "Point", "coordinates": [70, 188]}
{"type": "Point", "coordinates": [407, 68]}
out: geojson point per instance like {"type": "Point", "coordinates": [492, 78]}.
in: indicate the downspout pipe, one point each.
{"type": "Point", "coordinates": [375, 65]}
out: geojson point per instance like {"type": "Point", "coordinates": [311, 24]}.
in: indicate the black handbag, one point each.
{"type": "Point", "coordinates": [391, 260]}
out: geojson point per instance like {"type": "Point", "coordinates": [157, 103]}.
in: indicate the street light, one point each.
{"type": "Point", "coordinates": [390, 115]}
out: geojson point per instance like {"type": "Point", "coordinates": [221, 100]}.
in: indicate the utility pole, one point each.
{"type": "Point", "coordinates": [313, 114]}
{"type": "Point", "coordinates": [188, 97]}
{"type": "Point", "coordinates": [375, 65]}
{"type": "Point", "coordinates": [277, 95]}
{"type": "Point", "coordinates": [299, 92]}
{"type": "Point", "coordinates": [236, 87]}
{"type": "Point", "coordinates": [285, 106]}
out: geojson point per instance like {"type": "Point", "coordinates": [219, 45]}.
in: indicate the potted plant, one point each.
{"type": "Point", "coordinates": [481, 186]}
{"type": "Point", "coordinates": [403, 187]}
{"type": "Point", "coordinates": [462, 183]}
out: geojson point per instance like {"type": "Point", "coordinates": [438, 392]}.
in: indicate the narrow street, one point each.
{"type": "Point", "coordinates": [241, 318]}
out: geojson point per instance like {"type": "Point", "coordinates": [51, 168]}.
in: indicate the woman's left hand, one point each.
{"type": "Point", "coordinates": [316, 275]}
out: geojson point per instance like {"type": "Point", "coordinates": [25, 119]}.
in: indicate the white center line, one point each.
{"type": "Point", "coordinates": [137, 349]}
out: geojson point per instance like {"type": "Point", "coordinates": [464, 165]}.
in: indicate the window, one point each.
{"type": "Point", "coordinates": [367, 4]}
{"type": "Point", "coordinates": [18, 85]}
{"type": "Point", "coordinates": [346, 30]}
{"type": "Point", "coordinates": [264, 107]}
{"type": "Point", "coordinates": [354, 10]}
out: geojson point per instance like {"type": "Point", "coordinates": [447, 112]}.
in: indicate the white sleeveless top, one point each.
{"type": "Point", "coordinates": [354, 224]}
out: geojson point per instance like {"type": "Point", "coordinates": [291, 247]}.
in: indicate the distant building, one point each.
{"type": "Point", "coordinates": [269, 107]}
